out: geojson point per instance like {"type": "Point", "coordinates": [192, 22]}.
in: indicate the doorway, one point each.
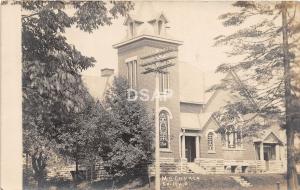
{"type": "Point", "coordinates": [190, 148]}
{"type": "Point", "coordinates": [269, 154]}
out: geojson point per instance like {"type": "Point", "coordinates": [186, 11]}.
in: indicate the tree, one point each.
{"type": "Point", "coordinates": [128, 128]}
{"type": "Point", "coordinates": [52, 85]}
{"type": "Point", "coordinates": [80, 143]}
{"type": "Point", "coordinates": [268, 51]}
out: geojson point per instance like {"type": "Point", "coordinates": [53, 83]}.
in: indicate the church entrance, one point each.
{"type": "Point", "coordinates": [190, 148]}
{"type": "Point", "coordinates": [269, 154]}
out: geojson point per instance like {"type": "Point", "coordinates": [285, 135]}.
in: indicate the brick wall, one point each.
{"type": "Point", "coordinates": [147, 81]}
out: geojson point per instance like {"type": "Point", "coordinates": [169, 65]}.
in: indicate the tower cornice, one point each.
{"type": "Point", "coordinates": [144, 36]}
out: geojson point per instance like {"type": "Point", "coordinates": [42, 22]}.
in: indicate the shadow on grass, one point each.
{"type": "Point", "coordinates": [125, 182]}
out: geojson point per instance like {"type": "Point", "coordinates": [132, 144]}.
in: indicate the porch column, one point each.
{"type": "Point", "coordinates": [197, 147]}
{"type": "Point", "coordinates": [277, 151]}
{"type": "Point", "coordinates": [261, 151]}
{"type": "Point", "coordinates": [183, 146]}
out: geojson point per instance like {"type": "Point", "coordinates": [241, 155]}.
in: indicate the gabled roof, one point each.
{"type": "Point", "coordinates": [161, 16]}
{"type": "Point", "coordinates": [194, 120]}
{"type": "Point", "coordinates": [130, 19]}
{"type": "Point", "coordinates": [271, 138]}
{"type": "Point", "coordinates": [268, 137]}
{"type": "Point", "coordinates": [145, 36]}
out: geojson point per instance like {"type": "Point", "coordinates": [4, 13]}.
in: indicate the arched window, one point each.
{"type": "Point", "coordinates": [160, 23]}
{"type": "Point", "coordinates": [210, 140]}
{"type": "Point", "coordinates": [164, 129]}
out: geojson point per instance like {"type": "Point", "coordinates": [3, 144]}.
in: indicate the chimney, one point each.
{"type": "Point", "coordinates": [106, 72]}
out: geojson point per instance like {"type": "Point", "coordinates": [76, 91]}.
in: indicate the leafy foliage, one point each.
{"type": "Point", "coordinates": [55, 100]}
{"type": "Point", "coordinates": [52, 88]}
{"type": "Point", "coordinates": [270, 52]}
{"type": "Point", "coordinates": [128, 129]}
{"type": "Point", "coordinates": [258, 78]}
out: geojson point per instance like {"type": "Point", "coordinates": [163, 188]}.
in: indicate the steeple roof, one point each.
{"type": "Point", "coordinates": [144, 22]}
{"type": "Point", "coordinates": [147, 13]}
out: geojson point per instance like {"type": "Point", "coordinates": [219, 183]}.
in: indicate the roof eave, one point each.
{"type": "Point", "coordinates": [192, 102]}
{"type": "Point", "coordinates": [147, 37]}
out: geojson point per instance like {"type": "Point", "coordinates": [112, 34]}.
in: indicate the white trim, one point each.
{"type": "Point", "coordinates": [149, 37]}
{"type": "Point", "coordinates": [131, 63]}
{"type": "Point", "coordinates": [179, 144]}
{"type": "Point", "coordinates": [192, 134]}
{"type": "Point", "coordinates": [169, 129]}
{"type": "Point", "coordinates": [233, 149]}
{"type": "Point", "coordinates": [131, 59]}
{"type": "Point", "coordinates": [166, 109]}
{"type": "Point", "coordinates": [165, 150]}
{"type": "Point", "coordinates": [210, 130]}
{"type": "Point", "coordinates": [191, 102]}
{"type": "Point", "coordinates": [213, 151]}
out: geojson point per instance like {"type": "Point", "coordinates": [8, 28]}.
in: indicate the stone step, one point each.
{"type": "Point", "coordinates": [241, 181]}
{"type": "Point", "coordinates": [194, 168]}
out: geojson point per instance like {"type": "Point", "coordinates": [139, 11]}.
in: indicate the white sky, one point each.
{"type": "Point", "coordinates": [194, 23]}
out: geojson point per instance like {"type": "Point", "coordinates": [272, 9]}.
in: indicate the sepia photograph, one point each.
{"type": "Point", "coordinates": [154, 95]}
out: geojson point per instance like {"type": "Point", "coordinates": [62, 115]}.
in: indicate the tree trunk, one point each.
{"type": "Point", "coordinates": [27, 159]}
{"type": "Point", "coordinates": [76, 176]}
{"type": "Point", "coordinates": [76, 170]}
{"type": "Point", "coordinates": [26, 177]}
{"type": "Point", "coordinates": [292, 180]}
{"type": "Point", "coordinates": [40, 183]}
{"type": "Point", "coordinates": [39, 165]}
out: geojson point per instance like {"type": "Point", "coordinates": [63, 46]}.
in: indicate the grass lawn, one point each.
{"type": "Point", "coordinates": [179, 182]}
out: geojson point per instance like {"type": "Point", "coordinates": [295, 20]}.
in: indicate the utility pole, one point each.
{"type": "Point", "coordinates": [157, 63]}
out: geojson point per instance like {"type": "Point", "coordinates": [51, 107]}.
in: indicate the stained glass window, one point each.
{"type": "Point", "coordinates": [163, 129]}
{"type": "Point", "coordinates": [210, 141]}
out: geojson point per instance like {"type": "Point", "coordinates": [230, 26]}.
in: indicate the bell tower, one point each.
{"type": "Point", "coordinates": [146, 34]}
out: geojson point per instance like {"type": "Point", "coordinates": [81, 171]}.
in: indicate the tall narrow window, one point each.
{"type": "Point", "coordinates": [129, 68]}
{"type": "Point", "coordinates": [132, 73]}
{"type": "Point", "coordinates": [164, 82]}
{"type": "Point", "coordinates": [163, 129]}
{"type": "Point", "coordinates": [210, 141]}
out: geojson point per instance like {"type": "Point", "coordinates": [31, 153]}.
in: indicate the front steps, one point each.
{"type": "Point", "coordinates": [194, 168]}
{"type": "Point", "coordinates": [241, 181]}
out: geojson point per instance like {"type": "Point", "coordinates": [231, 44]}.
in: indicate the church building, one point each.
{"type": "Point", "coordinates": [189, 141]}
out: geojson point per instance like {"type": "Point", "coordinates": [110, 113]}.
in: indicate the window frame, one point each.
{"type": "Point", "coordinates": [164, 83]}
{"type": "Point", "coordinates": [213, 142]}
{"type": "Point", "coordinates": [233, 132]}
{"type": "Point", "coordinates": [169, 117]}
{"type": "Point", "coordinates": [132, 71]}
